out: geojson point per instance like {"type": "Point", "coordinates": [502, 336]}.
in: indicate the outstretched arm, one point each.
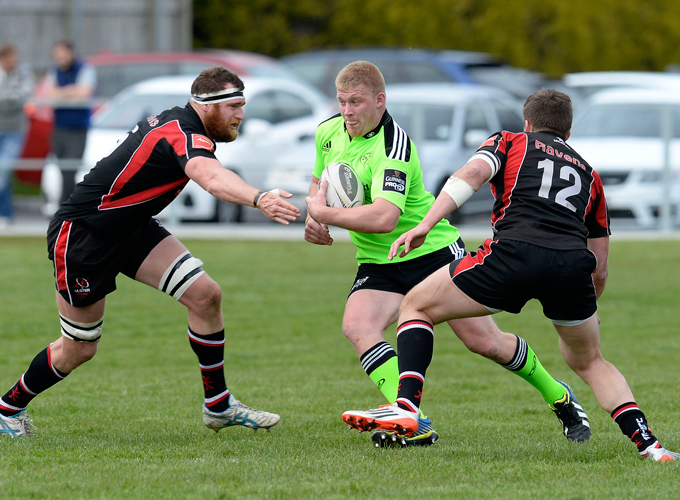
{"type": "Point", "coordinates": [228, 186]}
{"type": "Point", "coordinates": [457, 190]}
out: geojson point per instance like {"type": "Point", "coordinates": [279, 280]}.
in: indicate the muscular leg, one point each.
{"type": "Point", "coordinates": [203, 299]}
{"type": "Point", "coordinates": [438, 299]}
{"type": "Point", "coordinates": [68, 354]}
{"type": "Point", "coordinates": [368, 314]}
{"type": "Point", "coordinates": [55, 362]}
{"type": "Point", "coordinates": [580, 346]}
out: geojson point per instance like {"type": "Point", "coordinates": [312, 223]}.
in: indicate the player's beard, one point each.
{"type": "Point", "coordinates": [217, 127]}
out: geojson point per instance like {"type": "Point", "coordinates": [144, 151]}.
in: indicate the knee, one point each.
{"type": "Point", "coordinates": [85, 352]}
{"type": "Point", "coordinates": [73, 354]}
{"type": "Point", "coordinates": [206, 297]}
{"type": "Point", "coordinates": [351, 330]}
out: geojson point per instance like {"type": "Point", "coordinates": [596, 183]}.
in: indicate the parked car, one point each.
{"type": "Point", "coordinates": [619, 132]}
{"type": "Point", "coordinates": [582, 85]}
{"type": "Point", "coordinates": [416, 66]}
{"type": "Point", "coordinates": [446, 121]}
{"type": "Point", "coordinates": [115, 72]}
{"type": "Point", "coordinates": [278, 113]}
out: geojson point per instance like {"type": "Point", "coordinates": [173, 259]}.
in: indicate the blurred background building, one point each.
{"type": "Point", "coordinates": [95, 26]}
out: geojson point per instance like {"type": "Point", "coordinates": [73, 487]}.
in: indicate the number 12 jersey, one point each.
{"type": "Point", "coordinates": [546, 194]}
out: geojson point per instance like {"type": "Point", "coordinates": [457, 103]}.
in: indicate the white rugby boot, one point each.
{"type": "Point", "coordinates": [17, 426]}
{"type": "Point", "coordinates": [239, 414]}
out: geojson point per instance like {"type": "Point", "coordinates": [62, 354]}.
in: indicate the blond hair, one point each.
{"type": "Point", "coordinates": [360, 73]}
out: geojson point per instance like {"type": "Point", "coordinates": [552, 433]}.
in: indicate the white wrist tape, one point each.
{"type": "Point", "coordinates": [459, 190]}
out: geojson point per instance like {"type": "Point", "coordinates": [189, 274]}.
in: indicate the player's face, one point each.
{"type": "Point", "coordinates": [63, 56]}
{"type": "Point", "coordinates": [223, 120]}
{"type": "Point", "coordinates": [361, 109]}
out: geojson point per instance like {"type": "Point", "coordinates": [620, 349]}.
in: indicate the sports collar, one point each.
{"type": "Point", "coordinates": [386, 118]}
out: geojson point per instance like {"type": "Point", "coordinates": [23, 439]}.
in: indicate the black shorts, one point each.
{"type": "Point", "coordinates": [504, 275]}
{"type": "Point", "coordinates": [400, 277]}
{"type": "Point", "coordinates": [86, 263]}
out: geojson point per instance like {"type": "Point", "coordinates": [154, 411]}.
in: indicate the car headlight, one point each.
{"type": "Point", "coordinates": [657, 176]}
{"type": "Point", "coordinates": [651, 176]}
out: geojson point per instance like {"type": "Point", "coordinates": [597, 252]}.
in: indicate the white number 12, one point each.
{"type": "Point", "coordinates": [566, 172]}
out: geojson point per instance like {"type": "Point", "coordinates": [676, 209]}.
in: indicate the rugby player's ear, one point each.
{"type": "Point", "coordinates": [527, 126]}
{"type": "Point", "coordinates": [380, 98]}
{"type": "Point", "coordinates": [568, 136]}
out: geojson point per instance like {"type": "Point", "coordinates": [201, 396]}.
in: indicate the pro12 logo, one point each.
{"type": "Point", "coordinates": [394, 180]}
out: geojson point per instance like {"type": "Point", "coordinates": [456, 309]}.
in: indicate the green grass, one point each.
{"type": "Point", "coordinates": [127, 424]}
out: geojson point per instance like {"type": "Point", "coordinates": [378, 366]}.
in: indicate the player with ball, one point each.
{"type": "Point", "coordinates": [364, 153]}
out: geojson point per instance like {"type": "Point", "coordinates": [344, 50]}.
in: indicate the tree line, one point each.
{"type": "Point", "coordinates": [552, 36]}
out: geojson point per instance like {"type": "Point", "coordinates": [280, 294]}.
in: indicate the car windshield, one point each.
{"type": "Point", "coordinates": [517, 81]}
{"type": "Point", "coordinates": [113, 78]}
{"type": "Point", "coordinates": [126, 113]}
{"type": "Point", "coordinates": [424, 122]}
{"type": "Point", "coordinates": [271, 71]}
{"type": "Point", "coordinates": [623, 120]}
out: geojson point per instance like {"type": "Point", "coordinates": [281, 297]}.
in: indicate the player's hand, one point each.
{"type": "Point", "coordinates": [276, 208]}
{"type": "Point", "coordinates": [411, 240]}
{"type": "Point", "coordinates": [317, 233]}
{"type": "Point", "coordinates": [316, 204]}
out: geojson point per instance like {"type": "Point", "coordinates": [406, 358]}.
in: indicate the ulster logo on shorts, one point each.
{"type": "Point", "coordinates": [202, 142]}
{"type": "Point", "coordinates": [82, 286]}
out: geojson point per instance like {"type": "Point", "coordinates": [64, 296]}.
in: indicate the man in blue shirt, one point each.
{"type": "Point", "coordinates": [74, 81]}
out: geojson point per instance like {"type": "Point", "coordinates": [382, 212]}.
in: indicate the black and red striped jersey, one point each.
{"type": "Point", "coordinates": [546, 194]}
{"type": "Point", "coordinates": [142, 175]}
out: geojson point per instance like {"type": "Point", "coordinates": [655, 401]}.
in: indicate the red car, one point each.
{"type": "Point", "coordinates": [118, 71]}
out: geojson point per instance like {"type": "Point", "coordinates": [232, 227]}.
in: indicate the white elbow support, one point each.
{"type": "Point", "coordinates": [458, 189]}
{"type": "Point", "coordinates": [81, 332]}
{"type": "Point", "coordinates": [179, 276]}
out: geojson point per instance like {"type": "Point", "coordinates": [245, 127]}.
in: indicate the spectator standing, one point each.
{"type": "Point", "coordinates": [73, 81]}
{"type": "Point", "coordinates": [16, 85]}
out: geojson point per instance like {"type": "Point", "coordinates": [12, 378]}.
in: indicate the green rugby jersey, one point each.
{"type": "Point", "coordinates": [386, 162]}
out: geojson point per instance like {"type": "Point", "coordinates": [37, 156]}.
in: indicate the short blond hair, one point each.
{"type": "Point", "coordinates": [360, 73]}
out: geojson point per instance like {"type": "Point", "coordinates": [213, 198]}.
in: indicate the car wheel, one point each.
{"type": "Point", "coordinates": [227, 212]}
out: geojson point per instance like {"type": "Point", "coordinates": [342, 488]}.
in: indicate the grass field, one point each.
{"type": "Point", "coordinates": [127, 425]}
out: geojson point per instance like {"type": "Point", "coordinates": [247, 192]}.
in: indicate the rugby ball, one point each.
{"type": "Point", "coordinates": [344, 187]}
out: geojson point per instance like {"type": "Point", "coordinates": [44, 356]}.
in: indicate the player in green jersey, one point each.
{"type": "Point", "coordinates": [365, 136]}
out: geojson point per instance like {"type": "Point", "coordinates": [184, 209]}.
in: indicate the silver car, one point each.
{"type": "Point", "coordinates": [620, 134]}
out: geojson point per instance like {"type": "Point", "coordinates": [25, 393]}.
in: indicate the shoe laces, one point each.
{"type": "Point", "coordinates": [567, 413]}
{"type": "Point", "coordinates": [26, 425]}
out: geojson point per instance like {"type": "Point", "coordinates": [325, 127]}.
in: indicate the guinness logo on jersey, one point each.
{"type": "Point", "coordinates": [202, 142]}
{"type": "Point", "coordinates": [394, 180]}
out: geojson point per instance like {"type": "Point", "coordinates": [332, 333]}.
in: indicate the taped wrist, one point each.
{"type": "Point", "coordinates": [459, 190]}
